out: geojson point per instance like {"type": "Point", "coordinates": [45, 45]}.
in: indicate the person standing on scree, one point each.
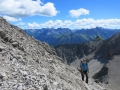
{"type": "Point", "coordinates": [84, 69]}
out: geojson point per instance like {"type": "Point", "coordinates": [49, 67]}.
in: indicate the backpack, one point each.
{"type": "Point", "coordinates": [83, 64]}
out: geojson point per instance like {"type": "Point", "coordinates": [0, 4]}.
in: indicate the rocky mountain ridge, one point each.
{"type": "Point", "coordinates": [28, 64]}
{"type": "Point", "coordinates": [111, 47]}
{"type": "Point", "coordinates": [103, 58]}
{"type": "Point", "coordinates": [71, 52]}
{"type": "Point", "coordinates": [110, 52]}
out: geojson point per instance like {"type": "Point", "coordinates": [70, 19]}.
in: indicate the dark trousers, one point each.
{"type": "Point", "coordinates": [86, 74]}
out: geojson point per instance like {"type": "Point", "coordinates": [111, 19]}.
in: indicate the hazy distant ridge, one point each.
{"type": "Point", "coordinates": [68, 36]}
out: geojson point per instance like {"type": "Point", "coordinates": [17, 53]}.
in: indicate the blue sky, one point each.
{"type": "Point", "coordinates": [74, 14]}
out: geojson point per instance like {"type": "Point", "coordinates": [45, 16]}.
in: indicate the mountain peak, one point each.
{"type": "Point", "coordinates": [67, 36]}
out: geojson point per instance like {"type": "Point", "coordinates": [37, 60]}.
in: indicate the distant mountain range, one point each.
{"type": "Point", "coordinates": [68, 36]}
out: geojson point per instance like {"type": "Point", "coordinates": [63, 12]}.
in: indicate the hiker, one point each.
{"type": "Point", "coordinates": [84, 69]}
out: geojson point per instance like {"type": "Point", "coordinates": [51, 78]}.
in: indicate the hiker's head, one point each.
{"type": "Point", "coordinates": [84, 60]}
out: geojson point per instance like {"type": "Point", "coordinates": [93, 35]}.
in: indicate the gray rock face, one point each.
{"type": "Point", "coordinates": [110, 51]}
{"type": "Point", "coordinates": [28, 64]}
{"type": "Point", "coordinates": [111, 47]}
{"type": "Point", "coordinates": [71, 52]}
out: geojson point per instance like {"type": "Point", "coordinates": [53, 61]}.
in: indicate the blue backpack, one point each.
{"type": "Point", "coordinates": [84, 66]}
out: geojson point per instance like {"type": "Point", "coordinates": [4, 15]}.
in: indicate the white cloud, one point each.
{"type": "Point", "coordinates": [91, 23]}
{"type": "Point", "coordinates": [51, 24]}
{"type": "Point", "coordinates": [12, 19]}
{"type": "Point", "coordinates": [33, 25]}
{"type": "Point", "coordinates": [20, 24]}
{"type": "Point", "coordinates": [78, 12]}
{"type": "Point", "coordinates": [20, 8]}
{"type": "Point", "coordinates": [67, 23]}
{"type": "Point", "coordinates": [78, 24]}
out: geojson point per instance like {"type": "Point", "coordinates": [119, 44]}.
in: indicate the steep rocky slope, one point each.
{"type": "Point", "coordinates": [28, 64]}
{"type": "Point", "coordinates": [110, 52]}
{"type": "Point", "coordinates": [111, 47]}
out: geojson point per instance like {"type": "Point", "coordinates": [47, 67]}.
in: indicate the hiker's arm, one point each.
{"type": "Point", "coordinates": [88, 68]}
{"type": "Point", "coordinates": [81, 68]}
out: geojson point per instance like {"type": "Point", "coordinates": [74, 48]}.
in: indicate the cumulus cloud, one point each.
{"type": "Point", "coordinates": [20, 8]}
{"type": "Point", "coordinates": [67, 23]}
{"type": "Point", "coordinates": [33, 25]}
{"type": "Point", "coordinates": [51, 24]}
{"type": "Point", "coordinates": [91, 23]}
{"type": "Point", "coordinates": [20, 24]}
{"type": "Point", "coordinates": [78, 12]}
{"type": "Point", "coordinates": [85, 23]}
{"type": "Point", "coordinates": [12, 19]}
